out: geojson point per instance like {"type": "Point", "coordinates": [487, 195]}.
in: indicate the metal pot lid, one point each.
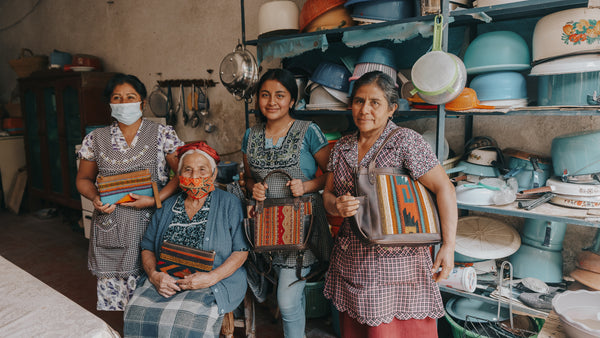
{"type": "Point", "coordinates": [486, 238]}
{"type": "Point", "coordinates": [572, 189]}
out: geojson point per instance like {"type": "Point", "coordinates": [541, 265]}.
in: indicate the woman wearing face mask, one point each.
{"type": "Point", "coordinates": [129, 144]}
{"type": "Point", "coordinates": [191, 305]}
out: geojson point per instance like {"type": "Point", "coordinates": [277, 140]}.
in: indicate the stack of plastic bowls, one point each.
{"type": "Point", "coordinates": [374, 11]}
{"type": "Point", "coordinates": [328, 87]}
{"type": "Point", "coordinates": [499, 57]}
{"type": "Point", "coordinates": [374, 59]}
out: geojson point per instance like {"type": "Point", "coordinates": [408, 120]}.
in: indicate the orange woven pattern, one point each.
{"type": "Point", "coordinates": [281, 225]}
{"type": "Point", "coordinates": [405, 207]}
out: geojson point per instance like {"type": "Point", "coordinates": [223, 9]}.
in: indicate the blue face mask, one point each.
{"type": "Point", "coordinates": [126, 113]}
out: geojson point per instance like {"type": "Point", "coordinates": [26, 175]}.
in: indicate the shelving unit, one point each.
{"type": "Point", "coordinates": [403, 31]}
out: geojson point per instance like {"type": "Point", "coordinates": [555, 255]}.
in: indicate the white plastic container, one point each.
{"type": "Point", "coordinates": [461, 278]}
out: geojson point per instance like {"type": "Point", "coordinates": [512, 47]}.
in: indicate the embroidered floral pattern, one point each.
{"type": "Point", "coordinates": [184, 231]}
{"type": "Point", "coordinates": [114, 293]}
{"type": "Point", "coordinates": [581, 31]}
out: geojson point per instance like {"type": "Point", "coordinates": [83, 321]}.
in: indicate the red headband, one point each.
{"type": "Point", "coordinates": [200, 145]}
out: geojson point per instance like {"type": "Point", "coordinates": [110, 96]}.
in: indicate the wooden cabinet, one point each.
{"type": "Point", "coordinates": [57, 107]}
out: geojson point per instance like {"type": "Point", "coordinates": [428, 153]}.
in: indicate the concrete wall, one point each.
{"type": "Point", "coordinates": [177, 39]}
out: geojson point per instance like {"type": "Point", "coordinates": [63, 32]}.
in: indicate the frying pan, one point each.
{"type": "Point", "coordinates": [158, 102]}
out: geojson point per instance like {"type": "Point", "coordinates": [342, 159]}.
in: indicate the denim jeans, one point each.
{"type": "Point", "coordinates": [291, 302]}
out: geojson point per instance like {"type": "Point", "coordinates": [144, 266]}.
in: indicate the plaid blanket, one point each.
{"type": "Point", "coordinates": [186, 314]}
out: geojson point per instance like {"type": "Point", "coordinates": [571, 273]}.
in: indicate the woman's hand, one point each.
{"type": "Point", "coordinates": [141, 201]}
{"type": "Point", "coordinates": [259, 191]}
{"type": "Point", "coordinates": [347, 205]}
{"type": "Point", "coordinates": [104, 208]}
{"type": "Point", "coordinates": [198, 280]}
{"type": "Point", "coordinates": [165, 285]}
{"type": "Point", "coordinates": [296, 186]}
{"type": "Point", "coordinates": [445, 260]}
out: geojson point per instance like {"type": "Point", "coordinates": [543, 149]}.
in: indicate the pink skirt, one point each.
{"type": "Point", "coordinates": [422, 328]}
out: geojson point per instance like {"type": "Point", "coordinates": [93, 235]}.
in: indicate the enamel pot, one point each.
{"type": "Point", "coordinates": [438, 77]}
{"type": "Point", "coordinates": [577, 153]}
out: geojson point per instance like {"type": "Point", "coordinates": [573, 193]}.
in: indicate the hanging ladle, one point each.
{"type": "Point", "coordinates": [186, 117]}
{"type": "Point", "coordinates": [195, 122]}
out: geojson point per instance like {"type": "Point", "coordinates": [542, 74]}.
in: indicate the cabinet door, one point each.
{"type": "Point", "coordinates": [52, 147]}
{"type": "Point", "coordinates": [73, 136]}
{"type": "Point", "coordinates": [32, 138]}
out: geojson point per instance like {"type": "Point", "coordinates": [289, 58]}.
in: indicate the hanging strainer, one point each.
{"type": "Point", "coordinates": [158, 102]}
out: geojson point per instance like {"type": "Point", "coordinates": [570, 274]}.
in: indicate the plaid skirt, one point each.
{"type": "Point", "coordinates": [191, 313]}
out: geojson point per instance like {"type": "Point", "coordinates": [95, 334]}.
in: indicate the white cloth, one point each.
{"type": "Point", "coordinates": [30, 308]}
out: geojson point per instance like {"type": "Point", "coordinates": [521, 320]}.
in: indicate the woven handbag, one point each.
{"type": "Point", "coordinates": [395, 210]}
{"type": "Point", "coordinates": [279, 224]}
{"type": "Point", "coordinates": [180, 260]}
{"type": "Point", "coordinates": [115, 189]}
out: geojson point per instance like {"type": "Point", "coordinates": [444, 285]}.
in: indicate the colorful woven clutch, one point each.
{"type": "Point", "coordinates": [115, 189]}
{"type": "Point", "coordinates": [180, 260]}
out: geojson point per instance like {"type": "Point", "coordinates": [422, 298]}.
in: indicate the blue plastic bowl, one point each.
{"type": "Point", "coordinates": [383, 10]}
{"type": "Point", "coordinates": [497, 51]}
{"type": "Point", "coordinates": [332, 75]}
{"type": "Point", "coordinates": [499, 86]}
{"type": "Point", "coordinates": [379, 55]}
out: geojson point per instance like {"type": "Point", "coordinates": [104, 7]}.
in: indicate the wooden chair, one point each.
{"type": "Point", "coordinates": [230, 323]}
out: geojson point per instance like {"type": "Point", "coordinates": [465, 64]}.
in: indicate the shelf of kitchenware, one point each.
{"type": "Point", "coordinates": [522, 9]}
{"type": "Point", "coordinates": [517, 307]}
{"type": "Point", "coordinates": [388, 30]}
{"type": "Point", "coordinates": [275, 47]}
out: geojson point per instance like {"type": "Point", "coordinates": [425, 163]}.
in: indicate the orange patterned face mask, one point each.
{"type": "Point", "coordinates": [196, 188]}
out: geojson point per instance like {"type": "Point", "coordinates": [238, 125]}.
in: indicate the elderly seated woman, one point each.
{"type": "Point", "coordinates": [199, 217]}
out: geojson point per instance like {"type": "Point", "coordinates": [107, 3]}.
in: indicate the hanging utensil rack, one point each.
{"type": "Point", "coordinates": [188, 82]}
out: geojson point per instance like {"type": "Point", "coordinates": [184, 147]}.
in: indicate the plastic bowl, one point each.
{"type": "Point", "coordinates": [379, 55]}
{"type": "Point", "coordinates": [337, 17]}
{"type": "Point", "coordinates": [477, 310]}
{"type": "Point", "coordinates": [277, 18]}
{"type": "Point", "coordinates": [314, 8]}
{"type": "Point", "coordinates": [475, 169]}
{"type": "Point", "coordinates": [332, 75]}
{"type": "Point", "coordinates": [497, 51]}
{"type": "Point", "coordinates": [579, 312]}
{"type": "Point", "coordinates": [362, 68]}
{"type": "Point", "coordinates": [383, 10]}
{"type": "Point", "coordinates": [474, 195]}
{"type": "Point", "coordinates": [499, 86]}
